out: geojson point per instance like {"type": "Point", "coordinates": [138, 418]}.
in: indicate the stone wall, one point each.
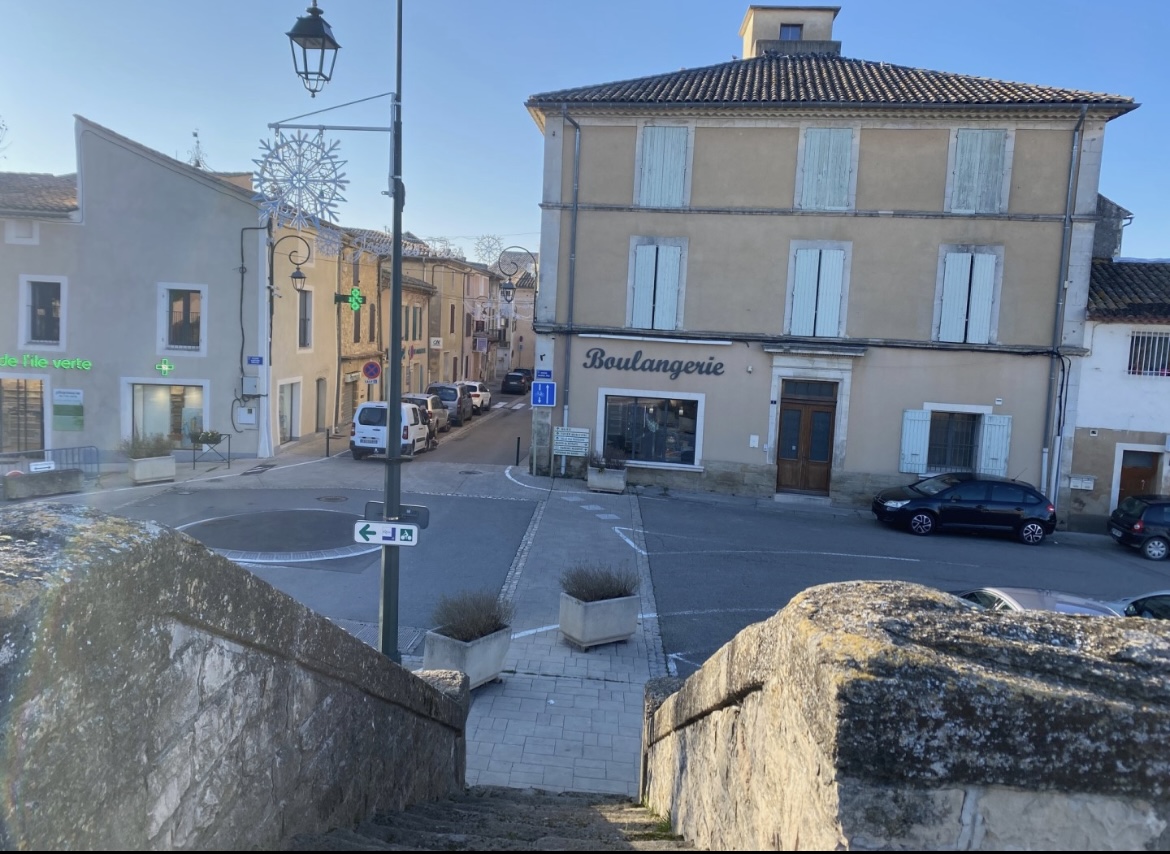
{"type": "Point", "coordinates": [40, 483]}
{"type": "Point", "coordinates": [154, 695]}
{"type": "Point", "coordinates": [889, 716]}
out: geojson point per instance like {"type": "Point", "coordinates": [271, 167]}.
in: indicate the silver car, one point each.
{"type": "Point", "coordinates": [432, 404]}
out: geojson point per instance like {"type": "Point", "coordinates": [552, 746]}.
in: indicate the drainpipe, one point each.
{"type": "Point", "coordinates": [1051, 440]}
{"type": "Point", "coordinates": [572, 261]}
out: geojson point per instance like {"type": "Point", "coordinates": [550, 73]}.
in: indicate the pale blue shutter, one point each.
{"type": "Point", "coordinates": [979, 302]}
{"type": "Point", "coordinates": [990, 181]}
{"type": "Point", "coordinates": [645, 260]}
{"type": "Point", "coordinates": [816, 166]}
{"type": "Point", "coordinates": [804, 292]}
{"type": "Point", "coordinates": [664, 162]}
{"type": "Point", "coordinates": [956, 283]}
{"type": "Point", "coordinates": [666, 287]}
{"type": "Point", "coordinates": [995, 437]}
{"type": "Point", "coordinates": [915, 440]}
{"type": "Point", "coordinates": [827, 155]}
{"type": "Point", "coordinates": [963, 188]}
{"type": "Point", "coordinates": [828, 321]}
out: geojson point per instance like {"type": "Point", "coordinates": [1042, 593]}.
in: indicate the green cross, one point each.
{"type": "Point", "coordinates": [355, 298]}
{"type": "Point", "coordinates": [164, 367]}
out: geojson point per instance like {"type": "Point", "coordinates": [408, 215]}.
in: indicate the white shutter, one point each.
{"type": "Point", "coordinates": [915, 440]}
{"type": "Point", "coordinates": [979, 302]}
{"type": "Point", "coordinates": [828, 320]}
{"type": "Point", "coordinates": [666, 287]}
{"type": "Point", "coordinates": [956, 285]}
{"type": "Point", "coordinates": [995, 434]}
{"type": "Point", "coordinates": [645, 261]}
{"type": "Point", "coordinates": [990, 181]}
{"type": "Point", "coordinates": [963, 187]}
{"type": "Point", "coordinates": [664, 161]}
{"type": "Point", "coordinates": [804, 292]}
{"type": "Point", "coordinates": [827, 155]}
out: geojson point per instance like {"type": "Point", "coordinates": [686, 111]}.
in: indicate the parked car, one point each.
{"type": "Point", "coordinates": [433, 404]}
{"type": "Point", "coordinates": [367, 431]}
{"type": "Point", "coordinates": [1037, 599]}
{"type": "Point", "coordinates": [456, 399]}
{"type": "Point", "coordinates": [526, 371]}
{"type": "Point", "coordinates": [1155, 606]}
{"type": "Point", "coordinates": [1143, 522]}
{"type": "Point", "coordinates": [966, 501]}
{"type": "Point", "coordinates": [481, 395]}
{"type": "Point", "coordinates": [515, 382]}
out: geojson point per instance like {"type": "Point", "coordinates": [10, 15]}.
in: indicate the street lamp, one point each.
{"type": "Point", "coordinates": [312, 35]}
{"type": "Point", "coordinates": [508, 267]}
{"type": "Point", "coordinates": [321, 39]}
{"type": "Point", "coordinates": [298, 278]}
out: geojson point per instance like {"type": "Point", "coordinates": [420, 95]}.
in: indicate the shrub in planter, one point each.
{"type": "Point", "coordinates": [607, 473]}
{"type": "Point", "coordinates": [150, 457]}
{"type": "Point", "coordinates": [472, 635]}
{"type": "Point", "coordinates": [599, 604]}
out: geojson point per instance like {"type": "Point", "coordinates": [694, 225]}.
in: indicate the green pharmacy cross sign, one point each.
{"type": "Point", "coordinates": [354, 298]}
{"type": "Point", "coordinates": [164, 367]}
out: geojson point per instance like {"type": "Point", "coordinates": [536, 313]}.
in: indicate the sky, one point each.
{"type": "Point", "coordinates": [156, 71]}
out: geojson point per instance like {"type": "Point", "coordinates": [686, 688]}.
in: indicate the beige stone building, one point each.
{"type": "Point", "coordinates": [801, 274]}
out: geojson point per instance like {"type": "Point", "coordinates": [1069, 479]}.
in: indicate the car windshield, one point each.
{"type": "Point", "coordinates": [935, 485]}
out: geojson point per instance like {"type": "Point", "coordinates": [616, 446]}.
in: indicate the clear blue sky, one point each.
{"type": "Point", "coordinates": [155, 70]}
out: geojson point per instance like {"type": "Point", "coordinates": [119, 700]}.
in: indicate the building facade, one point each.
{"type": "Point", "coordinates": [799, 274]}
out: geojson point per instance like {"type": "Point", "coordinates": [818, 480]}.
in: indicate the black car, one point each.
{"type": "Point", "coordinates": [966, 501]}
{"type": "Point", "coordinates": [1142, 521]}
{"type": "Point", "coordinates": [515, 382]}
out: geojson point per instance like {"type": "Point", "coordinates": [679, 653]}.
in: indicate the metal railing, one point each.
{"type": "Point", "coordinates": [84, 457]}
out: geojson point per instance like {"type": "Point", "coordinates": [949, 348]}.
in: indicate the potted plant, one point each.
{"type": "Point", "coordinates": [472, 635]}
{"type": "Point", "coordinates": [607, 472]}
{"type": "Point", "coordinates": [150, 457]}
{"type": "Point", "coordinates": [206, 437]}
{"type": "Point", "coordinates": [599, 604]}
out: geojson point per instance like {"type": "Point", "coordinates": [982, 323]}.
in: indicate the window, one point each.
{"type": "Point", "coordinates": [452, 329]}
{"type": "Point", "coordinates": [817, 293]}
{"type": "Point", "coordinates": [967, 305]}
{"type": "Point", "coordinates": [978, 174]}
{"type": "Point", "coordinates": [1149, 354]}
{"type": "Point", "coordinates": [656, 283]}
{"type": "Point", "coordinates": [791, 32]}
{"type": "Point", "coordinates": [357, 326]}
{"type": "Point", "coordinates": [651, 429]}
{"type": "Point", "coordinates": [183, 329]}
{"type": "Point", "coordinates": [174, 411]}
{"type": "Point", "coordinates": [22, 231]}
{"type": "Point", "coordinates": [826, 173]}
{"type": "Point", "coordinates": [304, 319]}
{"type": "Point", "coordinates": [417, 322]}
{"type": "Point", "coordinates": [22, 415]}
{"type": "Point", "coordinates": [44, 313]}
{"type": "Point", "coordinates": [373, 322]}
{"type": "Point", "coordinates": [662, 181]}
{"type": "Point", "coordinates": [954, 437]}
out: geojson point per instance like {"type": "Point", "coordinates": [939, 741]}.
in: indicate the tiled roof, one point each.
{"type": "Point", "coordinates": [1129, 291]}
{"type": "Point", "coordinates": [38, 192]}
{"type": "Point", "coordinates": [822, 80]}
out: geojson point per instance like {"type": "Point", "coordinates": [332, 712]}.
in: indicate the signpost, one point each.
{"type": "Point", "coordinates": [571, 441]}
{"type": "Point", "coordinates": [385, 533]}
{"type": "Point", "coordinates": [371, 371]}
{"type": "Point", "coordinates": [544, 394]}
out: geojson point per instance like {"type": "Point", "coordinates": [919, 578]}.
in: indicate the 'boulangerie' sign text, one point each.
{"type": "Point", "coordinates": [595, 358]}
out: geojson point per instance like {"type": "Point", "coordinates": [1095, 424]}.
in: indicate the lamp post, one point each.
{"type": "Point", "coordinates": [317, 46]}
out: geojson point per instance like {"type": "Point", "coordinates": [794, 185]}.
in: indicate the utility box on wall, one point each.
{"type": "Point", "coordinates": [246, 416]}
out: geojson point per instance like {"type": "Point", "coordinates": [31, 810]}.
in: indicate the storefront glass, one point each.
{"type": "Point", "coordinates": [175, 411]}
{"type": "Point", "coordinates": [650, 429]}
{"type": "Point", "coordinates": [22, 415]}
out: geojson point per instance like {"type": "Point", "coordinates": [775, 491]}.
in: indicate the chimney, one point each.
{"type": "Point", "coordinates": [788, 30]}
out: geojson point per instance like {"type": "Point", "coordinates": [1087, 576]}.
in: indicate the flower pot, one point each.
{"type": "Point", "coordinates": [607, 480]}
{"type": "Point", "coordinates": [481, 659]}
{"type": "Point", "coordinates": [152, 469]}
{"type": "Point", "coordinates": [586, 624]}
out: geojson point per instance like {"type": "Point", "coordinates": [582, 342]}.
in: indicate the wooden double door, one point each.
{"type": "Point", "coordinates": [804, 453]}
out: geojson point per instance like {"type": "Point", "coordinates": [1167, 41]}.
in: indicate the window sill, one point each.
{"type": "Point", "coordinates": [631, 464]}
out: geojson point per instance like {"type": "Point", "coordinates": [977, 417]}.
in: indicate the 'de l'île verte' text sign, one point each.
{"type": "Point", "coordinates": [32, 360]}
{"type": "Point", "coordinates": [595, 358]}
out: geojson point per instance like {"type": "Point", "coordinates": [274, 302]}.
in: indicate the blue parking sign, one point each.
{"type": "Point", "coordinates": [544, 394]}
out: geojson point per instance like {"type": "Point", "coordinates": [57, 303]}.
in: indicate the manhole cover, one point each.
{"type": "Point", "coordinates": [332, 498]}
{"type": "Point", "coordinates": [277, 531]}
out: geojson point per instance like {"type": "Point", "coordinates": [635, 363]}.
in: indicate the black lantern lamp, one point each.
{"type": "Point", "coordinates": [508, 290]}
{"type": "Point", "coordinates": [314, 49]}
{"type": "Point", "coordinates": [298, 278]}
{"type": "Point", "coordinates": [509, 267]}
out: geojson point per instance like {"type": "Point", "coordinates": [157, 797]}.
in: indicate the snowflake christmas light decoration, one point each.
{"type": "Point", "coordinates": [300, 179]}
{"type": "Point", "coordinates": [329, 242]}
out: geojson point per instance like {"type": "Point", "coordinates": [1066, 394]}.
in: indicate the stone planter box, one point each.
{"type": "Point", "coordinates": [152, 469]}
{"type": "Point", "coordinates": [607, 480]}
{"type": "Point", "coordinates": [586, 624]}
{"type": "Point", "coordinates": [481, 659]}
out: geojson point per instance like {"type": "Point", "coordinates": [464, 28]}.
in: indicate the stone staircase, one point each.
{"type": "Point", "coordinates": [492, 818]}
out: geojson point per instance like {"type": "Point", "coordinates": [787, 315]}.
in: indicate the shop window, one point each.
{"type": "Point", "coordinates": [174, 411]}
{"type": "Point", "coordinates": [22, 415]}
{"type": "Point", "coordinates": [651, 429]}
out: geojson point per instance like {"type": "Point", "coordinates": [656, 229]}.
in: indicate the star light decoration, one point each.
{"type": "Point", "coordinates": [300, 180]}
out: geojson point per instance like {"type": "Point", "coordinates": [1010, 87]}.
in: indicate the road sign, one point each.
{"type": "Point", "coordinates": [544, 373]}
{"type": "Point", "coordinates": [371, 370]}
{"type": "Point", "coordinates": [571, 441]}
{"type": "Point", "coordinates": [385, 533]}
{"type": "Point", "coordinates": [544, 394]}
{"type": "Point", "coordinates": [255, 360]}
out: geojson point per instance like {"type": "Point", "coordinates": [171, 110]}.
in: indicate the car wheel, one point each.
{"type": "Point", "coordinates": [1154, 549]}
{"type": "Point", "coordinates": [360, 455]}
{"type": "Point", "coordinates": [447, 426]}
{"type": "Point", "coordinates": [1031, 533]}
{"type": "Point", "coordinates": [922, 523]}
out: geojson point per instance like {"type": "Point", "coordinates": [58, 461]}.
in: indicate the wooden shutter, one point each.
{"type": "Point", "coordinates": [980, 300]}
{"type": "Point", "coordinates": [995, 436]}
{"type": "Point", "coordinates": [645, 261]}
{"type": "Point", "coordinates": [915, 440]}
{"type": "Point", "coordinates": [828, 321]}
{"type": "Point", "coordinates": [664, 161]}
{"type": "Point", "coordinates": [666, 287]}
{"type": "Point", "coordinates": [979, 165]}
{"type": "Point", "coordinates": [956, 286]}
{"type": "Point", "coordinates": [804, 292]}
{"type": "Point", "coordinates": [827, 155]}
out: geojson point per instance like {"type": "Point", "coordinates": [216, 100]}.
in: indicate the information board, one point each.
{"type": "Point", "coordinates": [571, 441]}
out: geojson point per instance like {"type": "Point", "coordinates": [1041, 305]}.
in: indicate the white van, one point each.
{"type": "Point", "coordinates": [367, 432]}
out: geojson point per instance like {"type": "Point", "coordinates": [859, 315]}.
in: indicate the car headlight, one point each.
{"type": "Point", "coordinates": [894, 505]}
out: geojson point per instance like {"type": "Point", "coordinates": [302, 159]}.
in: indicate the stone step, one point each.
{"type": "Point", "coordinates": [492, 818]}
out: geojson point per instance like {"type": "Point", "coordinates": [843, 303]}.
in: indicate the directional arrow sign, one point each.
{"type": "Point", "coordinates": [385, 533]}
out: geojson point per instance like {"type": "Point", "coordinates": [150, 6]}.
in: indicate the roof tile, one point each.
{"type": "Point", "coordinates": [37, 192]}
{"type": "Point", "coordinates": [1129, 291]}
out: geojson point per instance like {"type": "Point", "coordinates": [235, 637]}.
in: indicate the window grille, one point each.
{"type": "Point", "coordinates": [184, 327]}
{"type": "Point", "coordinates": [1149, 354]}
{"type": "Point", "coordinates": [952, 441]}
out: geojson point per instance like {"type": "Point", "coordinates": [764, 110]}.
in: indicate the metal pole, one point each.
{"type": "Point", "coordinates": [388, 616]}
